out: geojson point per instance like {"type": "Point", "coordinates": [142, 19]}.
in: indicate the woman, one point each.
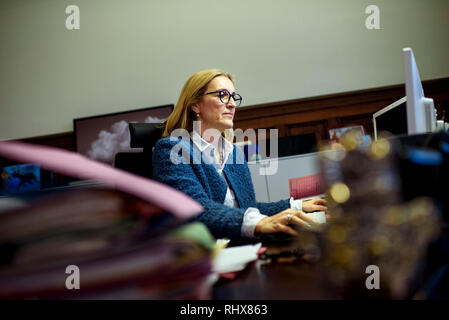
{"type": "Point", "coordinates": [213, 171]}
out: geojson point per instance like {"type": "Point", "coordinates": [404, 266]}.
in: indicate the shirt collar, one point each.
{"type": "Point", "coordinates": [207, 149]}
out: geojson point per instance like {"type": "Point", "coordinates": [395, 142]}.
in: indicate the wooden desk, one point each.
{"type": "Point", "coordinates": [275, 281]}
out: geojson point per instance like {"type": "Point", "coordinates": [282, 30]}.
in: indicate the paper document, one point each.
{"type": "Point", "coordinates": [235, 258]}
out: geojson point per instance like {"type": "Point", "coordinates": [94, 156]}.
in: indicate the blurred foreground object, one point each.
{"type": "Point", "coordinates": [129, 241]}
{"type": "Point", "coordinates": [371, 224]}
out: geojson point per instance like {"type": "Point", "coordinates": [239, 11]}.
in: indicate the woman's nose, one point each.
{"type": "Point", "coordinates": [231, 103]}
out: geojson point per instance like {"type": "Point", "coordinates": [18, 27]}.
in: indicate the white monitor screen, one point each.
{"type": "Point", "coordinates": [392, 118]}
{"type": "Point", "coordinates": [421, 115]}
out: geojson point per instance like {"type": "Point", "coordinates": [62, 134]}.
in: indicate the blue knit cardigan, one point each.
{"type": "Point", "coordinates": [202, 182]}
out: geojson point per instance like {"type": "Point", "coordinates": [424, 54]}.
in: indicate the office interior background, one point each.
{"type": "Point", "coordinates": [301, 66]}
{"type": "Point", "coordinates": [135, 54]}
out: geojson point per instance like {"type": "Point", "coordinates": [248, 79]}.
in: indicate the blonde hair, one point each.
{"type": "Point", "coordinates": [183, 116]}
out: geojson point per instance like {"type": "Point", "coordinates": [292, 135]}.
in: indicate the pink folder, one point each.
{"type": "Point", "coordinates": [75, 165]}
{"type": "Point", "coordinates": [306, 186]}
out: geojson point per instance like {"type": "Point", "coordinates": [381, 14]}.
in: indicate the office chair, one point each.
{"type": "Point", "coordinates": [143, 135]}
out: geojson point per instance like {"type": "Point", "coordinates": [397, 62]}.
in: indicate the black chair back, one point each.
{"type": "Point", "coordinates": [143, 135]}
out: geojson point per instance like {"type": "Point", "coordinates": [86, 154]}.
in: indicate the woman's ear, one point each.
{"type": "Point", "coordinates": [195, 108]}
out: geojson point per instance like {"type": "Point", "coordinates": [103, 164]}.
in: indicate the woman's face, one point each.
{"type": "Point", "coordinates": [214, 113]}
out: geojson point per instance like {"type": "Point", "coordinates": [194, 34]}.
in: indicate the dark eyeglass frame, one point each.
{"type": "Point", "coordinates": [237, 101]}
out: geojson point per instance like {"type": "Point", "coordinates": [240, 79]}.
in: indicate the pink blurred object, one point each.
{"type": "Point", "coordinates": [261, 250]}
{"type": "Point", "coordinates": [306, 186]}
{"type": "Point", "coordinates": [229, 275]}
{"type": "Point", "coordinates": [75, 165]}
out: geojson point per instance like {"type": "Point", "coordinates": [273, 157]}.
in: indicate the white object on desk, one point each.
{"type": "Point", "coordinates": [319, 216]}
{"type": "Point", "coordinates": [235, 258]}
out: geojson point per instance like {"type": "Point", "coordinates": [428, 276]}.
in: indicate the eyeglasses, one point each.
{"type": "Point", "coordinates": [225, 96]}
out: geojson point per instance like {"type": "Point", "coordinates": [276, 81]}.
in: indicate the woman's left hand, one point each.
{"type": "Point", "coordinates": [316, 204]}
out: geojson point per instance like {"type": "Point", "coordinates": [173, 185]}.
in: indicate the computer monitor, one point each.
{"type": "Point", "coordinates": [421, 114]}
{"type": "Point", "coordinates": [101, 137]}
{"type": "Point", "coordinates": [392, 118]}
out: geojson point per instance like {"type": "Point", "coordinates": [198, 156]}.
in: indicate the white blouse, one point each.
{"type": "Point", "coordinates": [252, 216]}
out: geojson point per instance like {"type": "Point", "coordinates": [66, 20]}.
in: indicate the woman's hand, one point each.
{"type": "Point", "coordinates": [285, 221]}
{"type": "Point", "coordinates": [316, 204]}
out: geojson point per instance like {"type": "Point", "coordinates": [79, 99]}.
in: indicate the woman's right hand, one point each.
{"type": "Point", "coordinates": [285, 221]}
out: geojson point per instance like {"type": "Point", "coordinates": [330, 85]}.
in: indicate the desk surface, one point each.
{"type": "Point", "coordinates": [275, 281]}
